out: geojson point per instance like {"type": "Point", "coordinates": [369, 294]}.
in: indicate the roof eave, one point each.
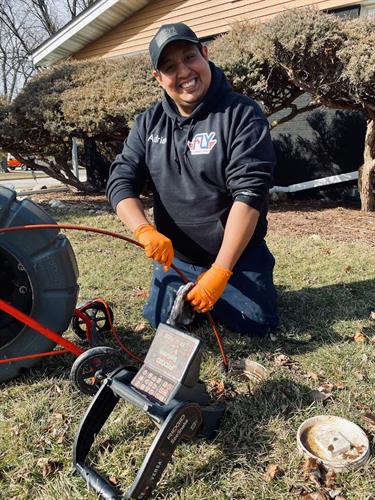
{"type": "Point", "coordinates": [88, 26]}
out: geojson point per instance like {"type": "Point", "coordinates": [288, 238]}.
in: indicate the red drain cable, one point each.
{"type": "Point", "coordinates": [129, 240]}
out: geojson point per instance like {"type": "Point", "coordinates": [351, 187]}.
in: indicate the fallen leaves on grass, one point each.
{"type": "Point", "coordinates": [220, 391]}
{"type": "Point", "coordinates": [104, 444]}
{"type": "Point", "coordinates": [347, 269]}
{"type": "Point", "coordinates": [315, 495]}
{"type": "Point", "coordinates": [272, 471]}
{"type": "Point", "coordinates": [323, 392]}
{"type": "Point", "coordinates": [113, 480]}
{"type": "Point", "coordinates": [326, 250]}
{"type": "Point", "coordinates": [324, 482]}
{"type": "Point", "coordinates": [359, 337]}
{"type": "Point", "coordinates": [312, 471]}
{"type": "Point", "coordinates": [318, 396]}
{"type": "Point", "coordinates": [312, 376]}
{"type": "Point", "coordinates": [369, 418]}
{"type": "Point", "coordinates": [48, 466]}
{"type": "Point", "coordinates": [140, 292]}
{"type": "Point", "coordinates": [140, 327]}
{"type": "Point", "coordinates": [58, 429]}
{"type": "Point", "coordinates": [354, 452]}
{"type": "Point", "coordinates": [361, 375]}
{"type": "Point", "coordinates": [327, 388]}
{"type": "Point", "coordinates": [286, 361]}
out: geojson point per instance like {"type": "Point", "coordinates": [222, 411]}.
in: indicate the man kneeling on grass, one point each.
{"type": "Point", "coordinates": [208, 153]}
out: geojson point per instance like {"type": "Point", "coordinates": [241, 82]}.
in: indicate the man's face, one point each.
{"type": "Point", "coordinates": [185, 75]}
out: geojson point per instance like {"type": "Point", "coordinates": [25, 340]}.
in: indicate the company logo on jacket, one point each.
{"type": "Point", "coordinates": [202, 144]}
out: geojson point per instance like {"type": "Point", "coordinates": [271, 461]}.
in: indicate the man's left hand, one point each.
{"type": "Point", "coordinates": [209, 288]}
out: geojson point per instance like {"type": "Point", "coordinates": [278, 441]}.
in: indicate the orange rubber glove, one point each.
{"type": "Point", "coordinates": [156, 245]}
{"type": "Point", "coordinates": [209, 288]}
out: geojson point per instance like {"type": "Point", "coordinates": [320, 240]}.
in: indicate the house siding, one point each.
{"type": "Point", "coordinates": [207, 18]}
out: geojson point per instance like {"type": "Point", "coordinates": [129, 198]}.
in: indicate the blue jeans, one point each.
{"type": "Point", "coordinates": [248, 304]}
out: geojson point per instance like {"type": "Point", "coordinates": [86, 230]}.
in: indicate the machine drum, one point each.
{"type": "Point", "coordinates": [38, 276]}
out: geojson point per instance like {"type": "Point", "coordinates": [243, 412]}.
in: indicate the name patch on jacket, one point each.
{"type": "Point", "coordinates": [156, 139]}
{"type": "Point", "coordinates": [202, 144]}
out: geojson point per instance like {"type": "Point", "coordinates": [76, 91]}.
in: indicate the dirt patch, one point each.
{"type": "Point", "coordinates": [297, 218]}
{"type": "Point", "coordinates": [73, 200]}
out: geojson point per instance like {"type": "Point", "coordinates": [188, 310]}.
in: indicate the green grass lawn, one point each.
{"type": "Point", "coordinates": [326, 293]}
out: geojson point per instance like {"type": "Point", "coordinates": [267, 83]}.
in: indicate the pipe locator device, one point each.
{"type": "Point", "coordinates": [167, 388]}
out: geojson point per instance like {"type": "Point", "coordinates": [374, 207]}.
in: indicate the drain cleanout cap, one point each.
{"type": "Point", "coordinates": [336, 442]}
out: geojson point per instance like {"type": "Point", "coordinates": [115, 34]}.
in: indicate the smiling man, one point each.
{"type": "Point", "coordinates": [208, 153]}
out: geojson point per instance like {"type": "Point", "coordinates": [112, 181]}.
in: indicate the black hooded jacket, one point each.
{"type": "Point", "coordinates": [198, 165]}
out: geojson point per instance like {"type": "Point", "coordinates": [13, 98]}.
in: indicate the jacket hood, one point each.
{"type": "Point", "coordinates": [218, 87]}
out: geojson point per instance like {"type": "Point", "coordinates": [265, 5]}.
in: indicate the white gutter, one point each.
{"type": "Point", "coordinates": [88, 26]}
{"type": "Point", "coordinates": [325, 181]}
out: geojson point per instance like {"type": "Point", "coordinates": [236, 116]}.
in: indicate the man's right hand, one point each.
{"type": "Point", "coordinates": [156, 245]}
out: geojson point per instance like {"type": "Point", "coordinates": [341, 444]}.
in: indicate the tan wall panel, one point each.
{"type": "Point", "coordinates": [206, 18]}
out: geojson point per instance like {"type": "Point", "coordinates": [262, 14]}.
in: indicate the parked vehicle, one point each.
{"type": "Point", "coordinates": [13, 163]}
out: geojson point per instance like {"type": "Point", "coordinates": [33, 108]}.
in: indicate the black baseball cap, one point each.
{"type": "Point", "coordinates": [166, 34]}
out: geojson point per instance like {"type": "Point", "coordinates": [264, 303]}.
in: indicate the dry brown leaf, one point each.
{"type": "Point", "coordinates": [104, 444]}
{"type": "Point", "coordinates": [272, 471]}
{"type": "Point", "coordinates": [319, 396]}
{"type": "Point", "coordinates": [369, 418]}
{"type": "Point", "coordinates": [139, 292]}
{"type": "Point", "coordinates": [323, 392]}
{"type": "Point", "coordinates": [288, 362]}
{"type": "Point", "coordinates": [340, 386]}
{"type": "Point", "coordinates": [282, 360]}
{"type": "Point", "coordinates": [327, 387]}
{"type": "Point", "coordinates": [140, 327]}
{"type": "Point", "coordinates": [48, 466]}
{"type": "Point", "coordinates": [309, 465]}
{"type": "Point", "coordinates": [347, 269]}
{"type": "Point", "coordinates": [313, 376]}
{"type": "Point", "coordinates": [113, 480]}
{"type": "Point", "coordinates": [312, 472]}
{"type": "Point", "coordinates": [330, 479]}
{"type": "Point", "coordinates": [359, 337]}
{"type": "Point", "coordinates": [220, 391]}
{"type": "Point", "coordinates": [361, 374]}
{"type": "Point", "coordinates": [354, 452]}
{"type": "Point", "coordinates": [316, 495]}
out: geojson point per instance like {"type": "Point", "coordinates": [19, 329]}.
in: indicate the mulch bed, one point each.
{"type": "Point", "coordinates": [344, 223]}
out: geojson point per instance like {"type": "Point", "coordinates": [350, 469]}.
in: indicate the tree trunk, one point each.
{"type": "Point", "coordinates": [366, 171]}
{"type": "Point", "coordinates": [97, 167]}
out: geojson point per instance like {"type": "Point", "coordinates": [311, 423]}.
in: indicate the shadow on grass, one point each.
{"type": "Point", "coordinates": [309, 318]}
{"type": "Point", "coordinates": [246, 436]}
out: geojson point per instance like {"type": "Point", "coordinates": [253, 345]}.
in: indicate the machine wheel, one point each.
{"type": "Point", "coordinates": [91, 367]}
{"type": "Point", "coordinates": [98, 313]}
{"type": "Point", "coordinates": [38, 275]}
